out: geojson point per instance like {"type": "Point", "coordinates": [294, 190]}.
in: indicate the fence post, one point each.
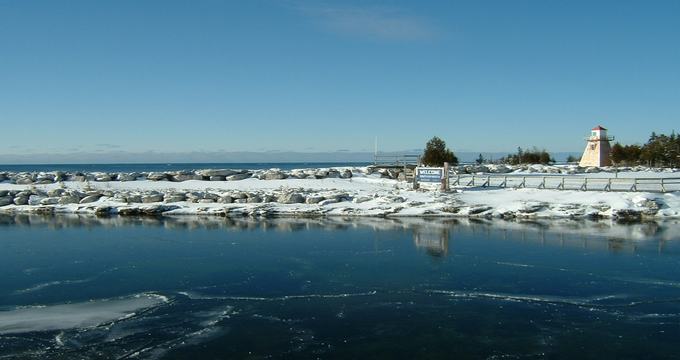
{"type": "Point", "coordinates": [608, 187]}
{"type": "Point", "coordinates": [416, 186]}
{"type": "Point", "coordinates": [663, 187]}
{"type": "Point", "coordinates": [487, 183]}
{"type": "Point", "coordinates": [634, 187]}
{"type": "Point", "coordinates": [445, 178]}
{"type": "Point", "coordinates": [505, 182]}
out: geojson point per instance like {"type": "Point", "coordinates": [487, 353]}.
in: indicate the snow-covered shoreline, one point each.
{"type": "Point", "coordinates": [316, 192]}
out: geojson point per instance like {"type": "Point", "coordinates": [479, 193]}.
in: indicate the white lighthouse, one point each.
{"type": "Point", "coordinates": [598, 149]}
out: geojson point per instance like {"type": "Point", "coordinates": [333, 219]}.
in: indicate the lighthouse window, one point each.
{"type": "Point", "coordinates": [592, 146]}
{"type": "Point", "coordinates": [593, 133]}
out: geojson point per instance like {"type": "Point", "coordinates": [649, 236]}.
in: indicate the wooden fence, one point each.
{"type": "Point", "coordinates": [562, 182]}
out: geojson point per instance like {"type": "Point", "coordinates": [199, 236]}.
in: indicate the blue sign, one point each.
{"type": "Point", "coordinates": [429, 174]}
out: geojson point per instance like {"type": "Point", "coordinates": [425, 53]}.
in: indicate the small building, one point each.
{"type": "Point", "coordinates": [598, 150]}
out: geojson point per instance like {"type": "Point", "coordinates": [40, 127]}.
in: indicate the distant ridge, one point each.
{"type": "Point", "coordinates": [123, 157]}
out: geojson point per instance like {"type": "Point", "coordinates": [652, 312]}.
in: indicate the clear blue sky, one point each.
{"type": "Point", "coordinates": [262, 75]}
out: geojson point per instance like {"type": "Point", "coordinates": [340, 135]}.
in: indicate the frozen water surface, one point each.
{"type": "Point", "coordinates": [172, 288]}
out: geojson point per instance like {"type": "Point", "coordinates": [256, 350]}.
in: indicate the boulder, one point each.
{"type": "Point", "coordinates": [217, 172]}
{"type": "Point", "coordinates": [90, 199]}
{"type": "Point", "coordinates": [152, 198]}
{"type": "Point", "coordinates": [328, 201]}
{"type": "Point", "coordinates": [134, 198]}
{"type": "Point", "coordinates": [297, 174]}
{"type": "Point", "coordinates": [5, 200]}
{"type": "Point", "coordinates": [174, 197]}
{"type": "Point", "coordinates": [217, 178]}
{"type": "Point", "coordinates": [4, 193]}
{"type": "Point", "coordinates": [332, 173]}
{"type": "Point", "coordinates": [226, 199]}
{"type": "Point", "coordinates": [361, 199]}
{"type": "Point", "coordinates": [35, 199]}
{"type": "Point", "coordinates": [21, 200]}
{"type": "Point", "coordinates": [237, 177]}
{"type": "Point", "coordinates": [102, 177]}
{"type": "Point", "coordinates": [273, 175]}
{"type": "Point", "coordinates": [291, 198]}
{"type": "Point", "coordinates": [185, 177]}
{"type": "Point", "coordinates": [254, 199]}
{"type": "Point", "coordinates": [43, 210]}
{"type": "Point", "coordinates": [211, 196]}
{"type": "Point", "coordinates": [126, 176]}
{"type": "Point", "coordinates": [69, 199]}
{"type": "Point", "coordinates": [23, 180]}
{"type": "Point", "coordinates": [157, 209]}
{"type": "Point", "coordinates": [239, 195]}
{"type": "Point", "coordinates": [128, 211]}
{"type": "Point", "coordinates": [625, 215]}
{"type": "Point", "coordinates": [3, 177]}
{"type": "Point", "coordinates": [314, 199]}
{"type": "Point", "coordinates": [56, 192]}
{"type": "Point", "coordinates": [194, 196]}
{"type": "Point", "coordinates": [206, 201]}
{"type": "Point", "coordinates": [321, 174]}
{"type": "Point", "coordinates": [651, 207]}
{"type": "Point", "coordinates": [49, 201]}
{"type": "Point", "coordinates": [120, 197]}
{"type": "Point", "coordinates": [103, 211]}
{"type": "Point", "coordinates": [157, 176]}
{"type": "Point", "coordinates": [45, 178]}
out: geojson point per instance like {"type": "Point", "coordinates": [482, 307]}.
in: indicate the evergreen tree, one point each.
{"type": "Point", "coordinates": [573, 159]}
{"type": "Point", "coordinates": [436, 153]}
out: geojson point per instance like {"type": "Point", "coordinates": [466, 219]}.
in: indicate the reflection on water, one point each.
{"type": "Point", "coordinates": [430, 234]}
{"type": "Point", "coordinates": [204, 287]}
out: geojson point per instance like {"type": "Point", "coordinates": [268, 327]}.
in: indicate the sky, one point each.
{"type": "Point", "coordinates": [168, 76]}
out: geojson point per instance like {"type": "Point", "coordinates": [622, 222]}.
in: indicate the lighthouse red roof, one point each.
{"type": "Point", "coordinates": [599, 127]}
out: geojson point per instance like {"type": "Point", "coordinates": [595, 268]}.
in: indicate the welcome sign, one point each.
{"type": "Point", "coordinates": [429, 174]}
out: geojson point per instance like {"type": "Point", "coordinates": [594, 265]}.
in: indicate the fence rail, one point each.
{"type": "Point", "coordinates": [557, 182]}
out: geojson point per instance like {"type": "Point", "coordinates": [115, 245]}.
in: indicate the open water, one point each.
{"type": "Point", "coordinates": [168, 167]}
{"type": "Point", "coordinates": [216, 288]}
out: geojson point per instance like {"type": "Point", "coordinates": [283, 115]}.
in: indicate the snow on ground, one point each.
{"type": "Point", "coordinates": [361, 195]}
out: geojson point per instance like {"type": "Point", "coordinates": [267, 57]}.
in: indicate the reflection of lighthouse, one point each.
{"type": "Point", "coordinates": [597, 149]}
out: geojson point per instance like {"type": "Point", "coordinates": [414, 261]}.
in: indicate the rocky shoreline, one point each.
{"type": "Point", "coordinates": [28, 178]}
{"type": "Point", "coordinates": [307, 192]}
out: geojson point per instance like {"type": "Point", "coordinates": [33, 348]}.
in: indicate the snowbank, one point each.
{"type": "Point", "coordinates": [323, 192]}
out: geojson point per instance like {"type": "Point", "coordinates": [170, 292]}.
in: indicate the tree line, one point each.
{"type": "Point", "coordinates": [659, 151]}
{"type": "Point", "coordinates": [533, 156]}
{"type": "Point", "coordinates": [436, 154]}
